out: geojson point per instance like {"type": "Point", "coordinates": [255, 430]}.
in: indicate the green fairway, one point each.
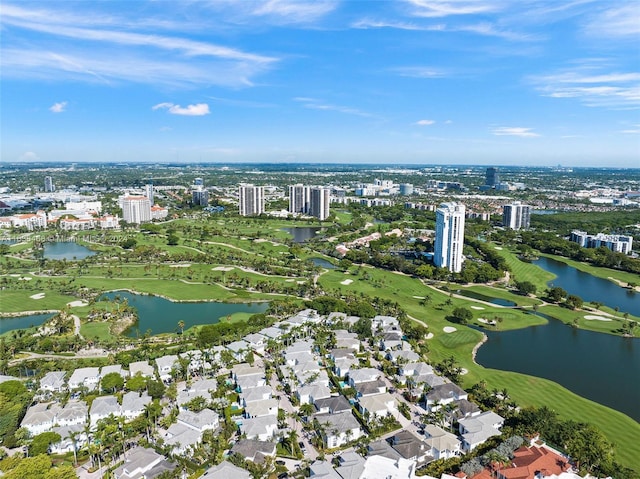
{"type": "Point", "coordinates": [523, 271]}
{"type": "Point", "coordinates": [14, 301]}
{"type": "Point", "coordinates": [96, 330]}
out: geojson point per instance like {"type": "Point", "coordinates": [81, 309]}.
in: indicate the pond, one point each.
{"type": "Point", "coordinates": [323, 263]}
{"type": "Point", "coordinates": [601, 367]}
{"type": "Point", "coordinates": [488, 299]}
{"type": "Point", "coordinates": [591, 288]}
{"type": "Point", "coordinates": [161, 315]}
{"type": "Point", "coordinates": [302, 234]}
{"type": "Point", "coordinates": [66, 250]}
{"type": "Point", "coordinates": [23, 322]}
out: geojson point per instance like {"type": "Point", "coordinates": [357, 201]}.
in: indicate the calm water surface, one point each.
{"type": "Point", "coordinates": [162, 316]}
{"type": "Point", "coordinates": [597, 366]}
{"type": "Point", "coordinates": [23, 322]}
{"type": "Point", "coordinates": [323, 263]}
{"type": "Point", "coordinates": [591, 288]}
{"type": "Point", "coordinates": [302, 233]}
{"type": "Point", "coordinates": [66, 250]}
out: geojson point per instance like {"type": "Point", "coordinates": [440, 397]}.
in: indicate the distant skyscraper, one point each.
{"type": "Point", "coordinates": [49, 187]}
{"type": "Point", "coordinates": [148, 192]}
{"type": "Point", "coordinates": [199, 196]}
{"type": "Point", "coordinates": [449, 236]}
{"type": "Point", "coordinates": [319, 202]}
{"type": "Point", "coordinates": [516, 216]}
{"type": "Point", "coordinates": [136, 209]}
{"type": "Point", "coordinates": [298, 199]}
{"type": "Point", "coordinates": [251, 199]}
{"type": "Point", "coordinates": [406, 189]}
{"type": "Point", "coordinates": [492, 178]}
{"type": "Point", "coordinates": [198, 182]}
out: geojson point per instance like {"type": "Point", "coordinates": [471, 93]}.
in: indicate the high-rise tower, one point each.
{"type": "Point", "coordinates": [449, 236]}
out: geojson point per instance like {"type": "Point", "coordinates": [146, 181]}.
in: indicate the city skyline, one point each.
{"type": "Point", "coordinates": [410, 82]}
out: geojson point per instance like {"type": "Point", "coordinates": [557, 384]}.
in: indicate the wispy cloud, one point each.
{"type": "Point", "coordinates": [368, 23]}
{"type": "Point", "coordinates": [632, 131]}
{"type": "Point", "coordinates": [316, 104]}
{"type": "Point", "coordinates": [58, 107]}
{"type": "Point", "coordinates": [198, 109]}
{"type": "Point", "coordinates": [514, 131]}
{"type": "Point", "coordinates": [622, 20]}
{"type": "Point", "coordinates": [295, 11]}
{"type": "Point", "coordinates": [444, 8]}
{"type": "Point", "coordinates": [109, 52]}
{"type": "Point", "coordinates": [425, 122]}
{"type": "Point", "coordinates": [29, 156]}
{"type": "Point", "coordinates": [421, 72]}
{"type": "Point", "coordinates": [591, 85]}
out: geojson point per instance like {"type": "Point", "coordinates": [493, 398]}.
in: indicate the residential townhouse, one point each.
{"type": "Point", "coordinates": [85, 377]}
{"type": "Point", "coordinates": [476, 430]}
{"type": "Point", "coordinates": [262, 428]}
{"type": "Point", "coordinates": [102, 407]}
{"type": "Point", "coordinates": [134, 404]}
{"type": "Point", "coordinates": [338, 429]}
{"type": "Point", "coordinates": [141, 367]}
{"type": "Point", "coordinates": [165, 365]}
{"type": "Point", "coordinates": [363, 375]}
{"type": "Point", "coordinates": [378, 405]}
{"type": "Point", "coordinates": [441, 444]}
{"type": "Point", "coordinates": [444, 394]}
{"type": "Point", "coordinates": [54, 381]}
{"type": "Point", "coordinates": [254, 450]}
{"type": "Point", "coordinates": [142, 463]}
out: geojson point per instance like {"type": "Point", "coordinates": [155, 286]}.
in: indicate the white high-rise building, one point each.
{"type": "Point", "coordinates": [136, 209]}
{"type": "Point", "coordinates": [148, 192]}
{"type": "Point", "coordinates": [449, 236]}
{"type": "Point", "coordinates": [298, 198]}
{"type": "Point", "coordinates": [319, 202]}
{"type": "Point", "coordinates": [251, 199]}
{"type": "Point", "coordinates": [516, 216]}
{"type": "Point", "coordinates": [49, 187]}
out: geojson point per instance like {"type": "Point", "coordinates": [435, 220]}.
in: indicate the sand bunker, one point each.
{"type": "Point", "coordinates": [346, 282]}
{"type": "Point", "coordinates": [477, 307]}
{"type": "Point", "coordinates": [449, 329]}
{"type": "Point", "coordinates": [37, 296]}
{"type": "Point", "coordinates": [222, 268]}
{"type": "Point", "coordinates": [463, 371]}
{"type": "Point", "coordinates": [593, 317]}
{"type": "Point", "coordinates": [75, 304]}
{"type": "Point", "coordinates": [498, 248]}
{"type": "Point", "coordinates": [179, 266]}
{"type": "Point", "coordinates": [487, 321]}
{"type": "Point", "coordinates": [430, 335]}
{"type": "Point", "coordinates": [25, 278]}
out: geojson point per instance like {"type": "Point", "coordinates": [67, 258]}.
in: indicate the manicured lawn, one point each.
{"type": "Point", "coordinates": [96, 330]}
{"type": "Point", "coordinates": [523, 271]}
{"type": "Point", "coordinates": [13, 301]}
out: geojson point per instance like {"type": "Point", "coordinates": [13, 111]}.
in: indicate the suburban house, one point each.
{"type": "Point", "coordinates": [73, 413]}
{"type": "Point", "coordinates": [87, 377]}
{"type": "Point", "coordinates": [265, 407]}
{"type": "Point", "coordinates": [363, 375]}
{"type": "Point", "coordinates": [254, 450]}
{"type": "Point", "coordinates": [476, 430]}
{"type": "Point", "coordinates": [39, 418]}
{"type": "Point", "coordinates": [441, 444]}
{"type": "Point", "coordinates": [165, 365]}
{"type": "Point", "coordinates": [70, 437]}
{"type": "Point", "coordinates": [187, 431]}
{"type": "Point", "coordinates": [379, 405]}
{"type": "Point", "coordinates": [444, 394]}
{"type": "Point", "coordinates": [141, 367]}
{"type": "Point", "coordinates": [310, 393]}
{"type": "Point", "coordinates": [114, 368]}
{"type": "Point", "coordinates": [332, 405]}
{"type": "Point", "coordinates": [142, 463]}
{"type": "Point", "coordinates": [345, 339]}
{"type": "Point", "coordinates": [256, 342]}
{"type": "Point", "coordinates": [102, 407]}
{"type": "Point", "coordinates": [338, 429]}
{"type": "Point", "coordinates": [402, 356]}
{"type": "Point", "coordinates": [239, 349]}
{"type": "Point", "coordinates": [262, 428]}
{"type": "Point", "coordinates": [225, 470]}
{"type": "Point", "coordinates": [410, 447]}
{"type": "Point", "coordinates": [54, 381]}
{"type": "Point", "coordinates": [134, 403]}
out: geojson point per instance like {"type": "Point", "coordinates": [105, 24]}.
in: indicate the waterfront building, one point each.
{"type": "Point", "coordinates": [251, 200]}
{"type": "Point", "coordinates": [136, 209]}
{"type": "Point", "coordinates": [516, 216]}
{"type": "Point", "coordinates": [449, 239]}
{"type": "Point", "coordinates": [616, 243]}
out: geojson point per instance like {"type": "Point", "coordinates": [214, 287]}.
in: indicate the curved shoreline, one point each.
{"type": "Point", "coordinates": [484, 339]}
{"type": "Point", "coordinates": [133, 291]}
{"type": "Point", "coordinates": [19, 314]}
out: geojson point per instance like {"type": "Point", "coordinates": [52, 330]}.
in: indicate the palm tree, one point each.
{"type": "Point", "coordinates": [181, 326]}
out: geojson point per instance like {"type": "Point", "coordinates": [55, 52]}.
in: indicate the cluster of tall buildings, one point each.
{"type": "Point", "coordinates": [199, 195]}
{"type": "Point", "coordinates": [516, 216]}
{"type": "Point", "coordinates": [309, 200]}
{"type": "Point", "coordinates": [616, 243]}
{"type": "Point", "coordinates": [305, 200]}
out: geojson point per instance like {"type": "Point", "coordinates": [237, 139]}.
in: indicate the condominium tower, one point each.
{"type": "Point", "coordinates": [309, 200]}
{"type": "Point", "coordinates": [49, 187]}
{"type": "Point", "coordinates": [251, 200]}
{"type": "Point", "coordinates": [136, 209]}
{"type": "Point", "coordinates": [516, 216]}
{"type": "Point", "coordinates": [449, 236]}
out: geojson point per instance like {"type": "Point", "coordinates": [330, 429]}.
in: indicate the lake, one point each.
{"type": "Point", "coordinates": [597, 366]}
{"type": "Point", "coordinates": [161, 315]}
{"type": "Point", "coordinates": [23, 322]}
{"type": "Point", "coordinates": [591, 288]}
{"type": "Point", "coordinates": [323, 263]}
{"type": "Point", "coordinates": [66, 250]}
{"type": "Point", "coordinates": [302, 234]}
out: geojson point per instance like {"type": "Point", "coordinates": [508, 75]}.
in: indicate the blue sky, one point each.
{"type": "Point", "coordinates": [505, 82]}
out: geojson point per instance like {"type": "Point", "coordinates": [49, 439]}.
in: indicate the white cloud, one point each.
{"type": "Point", "coordinates": [425, 122]}
{"type": "Point", "coordinates": [198, 109]}
{"type": "Point", "coordinates": [58, 107]}
{"type": "Point", "coordinates": [316, 104]}
{"type": "Point", "coordinates": [448, 122]}
{"type": "Point", "coordinates": [421, 72]}
{"type": "Point", "coordinates": [514, 131]}
{"type": "Point", "coordinates": [294, 11]}
{"type": "Point", "coordinates": [29, 156]}
{"type": "Point", "coordinates": [444, 8]}
{"type": "Point", "coordinates": [632, 131]}
{"type": "Point", "coordinates": [623, 20]}
{"type": "Point", "coordinates": [591, 85]}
